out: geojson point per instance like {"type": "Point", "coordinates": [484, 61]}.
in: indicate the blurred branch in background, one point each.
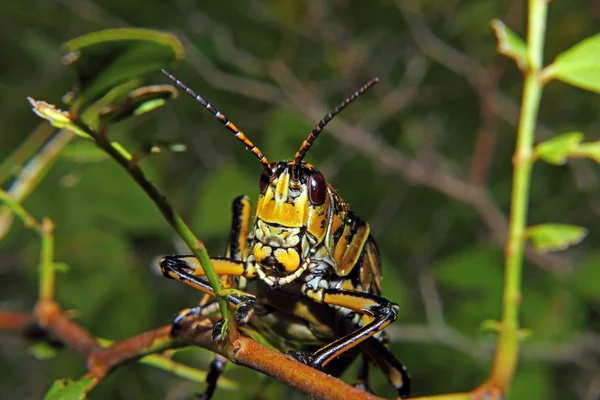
{"type": "Point", "coordinates": [429, 159]}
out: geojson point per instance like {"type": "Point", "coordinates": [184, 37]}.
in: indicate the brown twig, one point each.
{"type": "Point", "coordinates": [10, 321]}
{"type": "Point", "coordinates": [242, 351]}
{"type": "Point", "coordinates": [245, 351]}
{"type": "Point", "coordinates": [51, 317]}
{"type": "Point", "coordinates": [486, 139]}
{"type": "Point", "coordinates": [101, 361]}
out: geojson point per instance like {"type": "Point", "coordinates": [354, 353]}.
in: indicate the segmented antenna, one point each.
{"type": "Point", "coordinates": [319, 127]}
{"type": "Point", "coordinates": [221, 118]}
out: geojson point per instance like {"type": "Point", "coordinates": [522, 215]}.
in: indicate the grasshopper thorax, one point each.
{"type": "Point", "coordinates": [290, 220]}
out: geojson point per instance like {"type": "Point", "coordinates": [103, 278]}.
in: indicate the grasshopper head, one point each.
{"type": "Point", "coordinates": [290, 221]}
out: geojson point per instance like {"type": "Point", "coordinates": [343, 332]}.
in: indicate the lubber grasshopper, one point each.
{"type": "Point", "coordinates": [309, 260]}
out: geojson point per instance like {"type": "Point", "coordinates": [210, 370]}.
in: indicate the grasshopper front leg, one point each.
{"type": "Point", "coordinates": [187, 269]}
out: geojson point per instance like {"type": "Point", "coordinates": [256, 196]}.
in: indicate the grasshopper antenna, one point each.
{"type": "Point", "coordinates": [221, 118]}
{"type": "Point", "coordinates": [306, 145]}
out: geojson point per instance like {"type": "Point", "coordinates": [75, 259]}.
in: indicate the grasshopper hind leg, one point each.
{"type": "Point", "coordinates": [387, 362]}
{"type": "Point", "coordinates": [217, 366]}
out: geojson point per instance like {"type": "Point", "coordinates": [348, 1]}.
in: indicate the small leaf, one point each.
{"type": "Point", "coordinates": [510, 44]}
{"type": "Point", "coordinates": [57, 117]}
{"type": "Point", "coordinates": [105, 59]}
{"type": "Point", "coordinates": [556, 150]}
{"type": "Point", "coordinates": [491, 326]}
{"type": "Point", "coordinates": [43, 351]}
{"type": "Point", "coordinates": [63, 389]}
{"type": "Point", "coordinates": [61, 267]}
{"type": "Point", "coordinates": [553, 237]}
{"type": "Point", "coordinates": [138, 102]}
{"type": "Point", "coordinates": [579, 66]}
{"type": "Point", "coordinates": [116, 95]}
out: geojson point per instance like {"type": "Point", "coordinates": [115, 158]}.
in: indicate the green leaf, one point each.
{"type": "Point", "coordinates": [61, 267]}
{"type": "Point", "coordinates": [43, 351]}
{"type": "Point", "coordinates": [109, 58]}
{"type": "Point", "coordinates": [510, 44]}
{"type": "Point", "coordinates": [57, 117]}
{"type": "Point", "coordinates": [116, 95]}
{"type": "Point", "coordinates": [556, 150]}
{"type": "Point", "coordinates": [138, 102]}
{"type": "Point", "coordinates": [579, 66]}
{"type": "Point", "coordinates": [63, 389]}
{"type": "Point", "coordinates": [553, 237]}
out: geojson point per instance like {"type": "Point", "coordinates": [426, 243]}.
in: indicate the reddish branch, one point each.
{"type": "Point", "coordinates": [14, 321]}
{"type": "Point", "coordinates": [240, 350]}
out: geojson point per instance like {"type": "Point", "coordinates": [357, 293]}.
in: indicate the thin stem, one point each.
{"type": "Point", "coordinates": [32, 173]}
{"type": "Point", "coordinates": [507, 350]}
{"type": "Point", "coordinates": [14, 206]}
{"type": "Point", "coordinates": [46, 232]}
{"type": "Point", "coordinates": [195, 245]}
{"type": "Point", "coordinates": [47, 268]}
{"type": "Point", "coordinates": [165, 363]}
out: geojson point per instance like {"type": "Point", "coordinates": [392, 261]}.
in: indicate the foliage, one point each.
{"type": "Point", "coordinates": [445, 109]}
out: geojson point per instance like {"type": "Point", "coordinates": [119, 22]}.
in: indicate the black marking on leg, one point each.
{"type": "Point", "coordinates": [179, 318]}
{"type": "Point", "coordinates": [303, 358]}
{"type": "Point", "coordinates": [244, 312]}
{"type": "Point", "coordinates": [237, 223]}
{"type": "Point", "coordinates": [387, 362]}
{"type": "Point", "coordinates": [216, 332]}
{"type": "Point", "coordinates": [216, 368]}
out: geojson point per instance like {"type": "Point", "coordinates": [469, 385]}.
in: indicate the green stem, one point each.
{"type": "Point", "coordinates": [165, 363]}
{"type": "Point", "coordinates": [16, 208]}
{"type": "Point", "coordinates": [32, 173]}
{"type": "Point", "coordinates": [195, 245]}
{"type": "Point", "coordinates": [47, 269]}
{"type": "Point", "coordinates": [46, 232]}
{"type": "Point", "coordinates": [507, 351]}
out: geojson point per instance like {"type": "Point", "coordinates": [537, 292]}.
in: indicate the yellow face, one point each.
{"type": "Point", "coordinates": [290, 221]}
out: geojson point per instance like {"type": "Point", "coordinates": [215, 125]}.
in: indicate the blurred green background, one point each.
{"type": "Point", "coordinates": [425, 158]}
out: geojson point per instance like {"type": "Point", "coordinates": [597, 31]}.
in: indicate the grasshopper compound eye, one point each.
{"type": "Point", "coordinates": [265, 179]}
{"type": "Point", "coordinates": [316, 187]}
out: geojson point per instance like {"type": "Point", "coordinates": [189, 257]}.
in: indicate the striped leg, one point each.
{"type": "Point", "coordinates": [377, 314]}
{"type": "Point", "coordinates": [391, 367]}
{"type": "Point", "coordinates": [236, 245]}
